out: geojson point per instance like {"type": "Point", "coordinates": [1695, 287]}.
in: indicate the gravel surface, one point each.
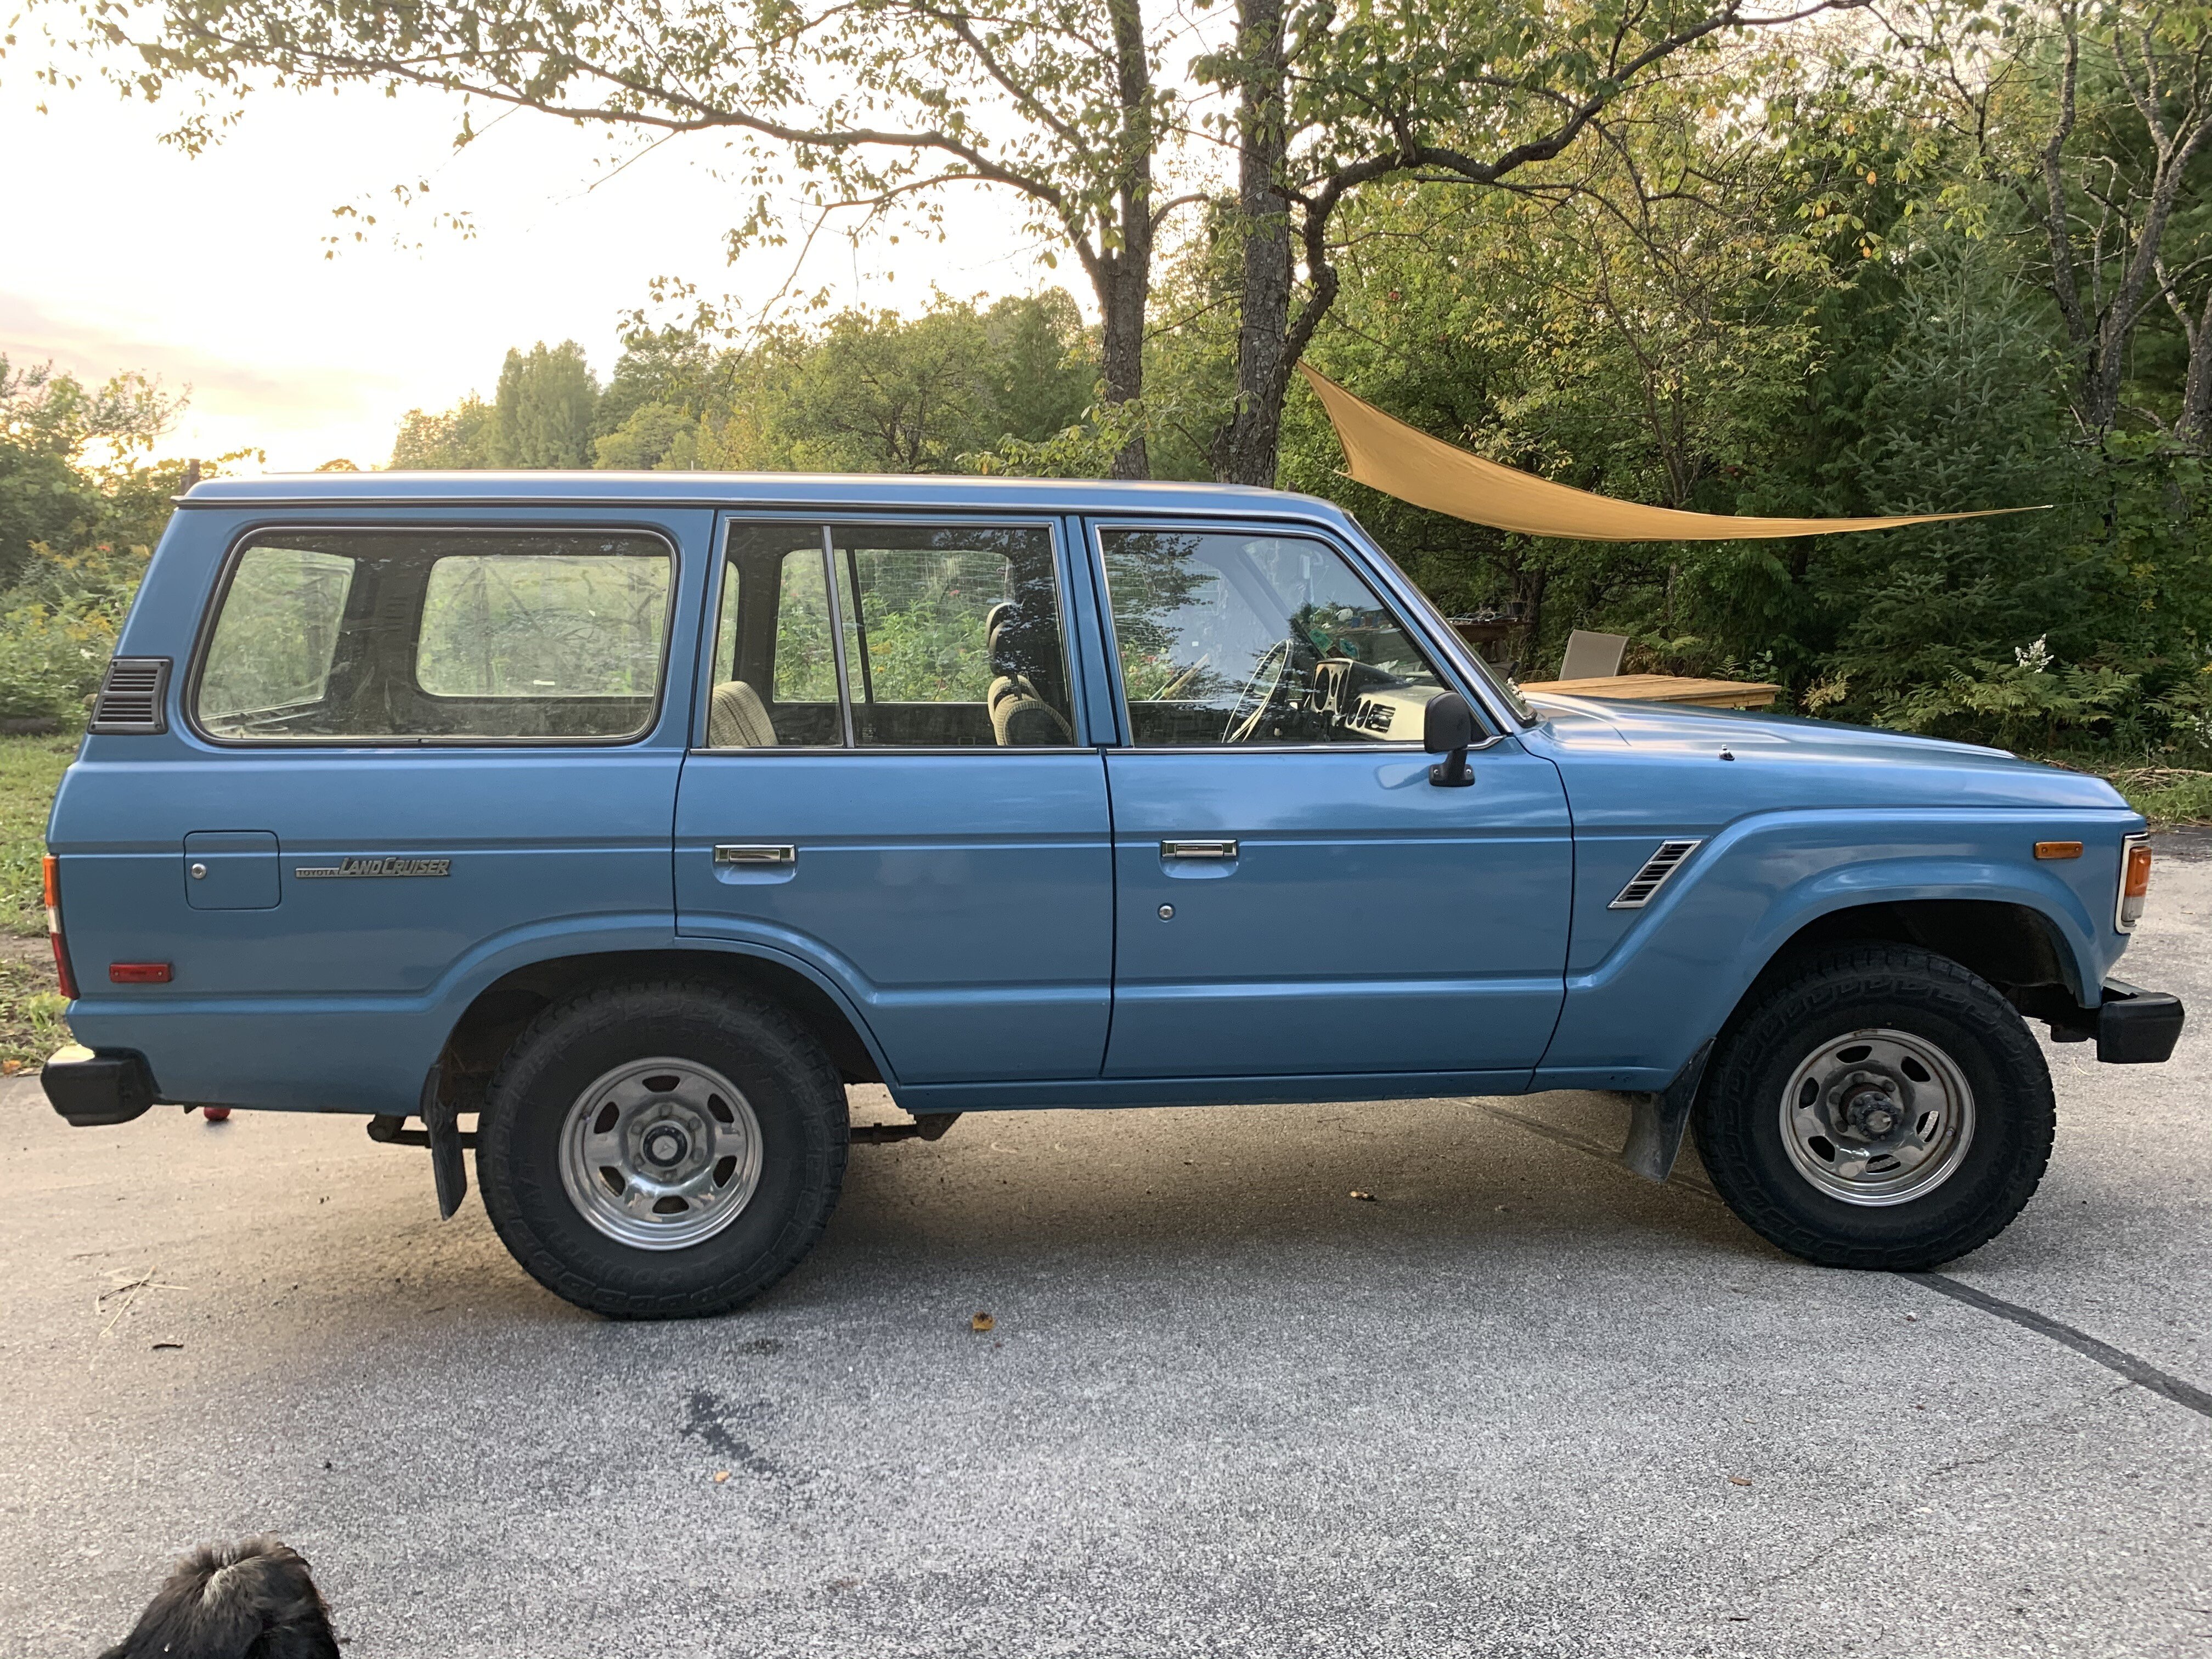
{"type": "Point", "coordinates": [1519, 1403]}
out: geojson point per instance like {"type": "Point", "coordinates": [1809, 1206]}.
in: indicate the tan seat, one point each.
{"type": "Point", "coordinates": [1020, 716]}
{"type": "Point", "coordinates": [737, 719]}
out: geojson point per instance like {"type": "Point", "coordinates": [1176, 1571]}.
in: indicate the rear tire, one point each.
{"type": "Point", "coordinates": [662, 1151]}
{"type": "Point", "coordinates": [1880, 1107]}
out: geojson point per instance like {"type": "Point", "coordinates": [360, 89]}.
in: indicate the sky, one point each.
{"type": "Point", "coordinates": [209, 272]}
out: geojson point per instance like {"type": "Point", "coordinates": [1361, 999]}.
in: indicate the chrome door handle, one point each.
{"type": "Point", "coordinates": [728, 853]}
{"type": "Point", "coordinates": [1198, 849]}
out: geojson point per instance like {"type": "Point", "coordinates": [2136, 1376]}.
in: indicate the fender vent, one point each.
{"type": "Point", "coordinates": [130, 697]}
{"type": "Point", "coordinates": [1657, 868]}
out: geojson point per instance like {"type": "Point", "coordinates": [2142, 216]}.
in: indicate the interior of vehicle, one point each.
{"type": "Point", "coordinates": [381, 636]}
{"type": "Point", "coordinates": [1236, 638]}
{"type": "Point", "coordinates": [952, 635]}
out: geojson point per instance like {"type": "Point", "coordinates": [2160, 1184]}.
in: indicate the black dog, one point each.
{"type": "Point", "coordinates": [251, 1599]}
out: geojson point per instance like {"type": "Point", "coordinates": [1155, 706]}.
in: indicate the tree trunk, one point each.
{"type": "Point", "coordinates": [2194, 425]}
{"type": "Point", "coordinates": [1245, 449]}
{"type": "Point", "coordinates": [1123, 287]}
{"type": "Point", "coordinates": [1124, 274]}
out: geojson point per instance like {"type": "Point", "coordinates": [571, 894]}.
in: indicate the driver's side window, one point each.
{"type": "Point", "coordinates": [1251, 639]}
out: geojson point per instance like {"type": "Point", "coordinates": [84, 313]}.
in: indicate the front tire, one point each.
{"type": "Point", "coordinates": [1880, 1107]}
{"type": "Point", "coordinates": [662, 1151]}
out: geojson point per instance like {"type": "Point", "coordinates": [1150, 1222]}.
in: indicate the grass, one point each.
{"type": "Point", "coordinates": [30, 1004]}
{"type": "Point", "coordinates": [2166, 796]}
{"type": "Point", "coordinates": [30, 1007]}
{"type": "Point", "coordinates": [30, 768]}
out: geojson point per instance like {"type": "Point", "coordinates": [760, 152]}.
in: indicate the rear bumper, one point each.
{"type": "Point", "coordinates": [93, 1090]}
{"type": "Point", "coordinates": [2132, 1026]}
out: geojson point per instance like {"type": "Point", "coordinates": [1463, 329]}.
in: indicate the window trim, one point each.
{"type": "Point", "coordinates": [732, 520]}
{"type": "Point", "coordinates": [1310, 530]}
{"type": "Point", "coordinates": [243, 542]}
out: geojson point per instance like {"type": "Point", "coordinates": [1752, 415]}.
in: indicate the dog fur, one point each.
{"type": "Point", "coordinates": [250, 1600]}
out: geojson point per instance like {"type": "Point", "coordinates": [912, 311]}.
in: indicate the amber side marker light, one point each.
{"type": "Point", "coordinates": [52, 870]}
{"type": "Point", "coordinates": [2134, 881]}
{"type": "Point", "coordinates": [2059, 849]}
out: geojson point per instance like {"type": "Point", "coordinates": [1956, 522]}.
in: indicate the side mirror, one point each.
{"type": "Point", "coordinates": [1447, 729]}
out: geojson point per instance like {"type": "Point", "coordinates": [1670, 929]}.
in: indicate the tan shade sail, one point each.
{"type": "Point", "coordinates": [1388, 455]}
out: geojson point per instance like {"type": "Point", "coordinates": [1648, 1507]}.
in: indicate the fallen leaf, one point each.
{"type": "Point", "coordinates": [1739, 1481]}
{"type": "Point", "coordinates": [9, 1067]}
{"type": "Point", "coordinates": [1365, 1198]}
{"type": "Point", "coordinates": [721, 1475]}
{"type": "Point", "coordinates": [982, 1322]}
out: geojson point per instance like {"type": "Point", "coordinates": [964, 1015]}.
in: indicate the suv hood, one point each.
{"type": "Point", "coordinates": [1659, 731]}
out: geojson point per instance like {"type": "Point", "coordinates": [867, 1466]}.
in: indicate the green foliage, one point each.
{"type": "Point", "coordinates": [30, 770]}
{"type": "Point", "coordinates": [957, 387]}
{"type": "Point", "coordinates": [541, 412]}
{"type": "Point", "coordinates": [2167, 795]}
{"type": "Point", "coordinates": [459, 439]}
{"type": "Point", "coordinates": [66, 475]}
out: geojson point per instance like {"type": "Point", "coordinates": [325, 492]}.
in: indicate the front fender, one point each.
{"type": "Point", "coordinates": [1668, 983]}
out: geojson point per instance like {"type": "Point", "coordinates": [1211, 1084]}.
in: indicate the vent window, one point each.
{"type": "Point", "coordinates": [131, 696]}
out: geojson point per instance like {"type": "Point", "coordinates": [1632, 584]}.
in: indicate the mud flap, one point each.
{"type": "Point", "coordinates": [443, 1126]}
{"type": "Point", "coordinates": [1656, 1122]}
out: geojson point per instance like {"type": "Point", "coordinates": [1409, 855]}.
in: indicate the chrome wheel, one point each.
{"type": "Point", "coordinates": [1877, 1117]}
{"type": "Point", "coordinates": [660, 1153]}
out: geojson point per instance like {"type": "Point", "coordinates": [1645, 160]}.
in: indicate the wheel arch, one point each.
{"type": "Point", "coordinates": [495, 1016]}
{"type": "Point", "coordinates": [2015, 947]}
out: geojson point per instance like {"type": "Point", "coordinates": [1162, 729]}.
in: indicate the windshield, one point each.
{"type": "Point", "coordinates": [1507, 693]}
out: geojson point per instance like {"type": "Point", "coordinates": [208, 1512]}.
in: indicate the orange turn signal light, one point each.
{"type": "Point", "coordinates": [2059, 849]}
{"type": "Point", "coordinates": [2138, 878]}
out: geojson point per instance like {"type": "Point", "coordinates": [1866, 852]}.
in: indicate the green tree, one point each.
{"type": "Point", "coordinates": [541, 412]}
{"type": "Point", "coordinates": [459, 439]}
{"type": "Point", "coordinates": [54, 488]}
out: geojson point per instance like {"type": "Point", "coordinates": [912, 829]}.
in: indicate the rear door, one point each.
{"type": "Point", "coordinates": [1295, 896]}
{"type": "Point", "coordinates": [889, 783]}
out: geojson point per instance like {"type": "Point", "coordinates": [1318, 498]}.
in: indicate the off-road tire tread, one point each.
{"type": "Point", "coordinates": [784, 1044]}
{"type": "Point", "coordinates": [1821, 985]}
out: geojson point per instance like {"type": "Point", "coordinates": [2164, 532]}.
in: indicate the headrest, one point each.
{"type": "Point", "coordinates": [1012, 651]}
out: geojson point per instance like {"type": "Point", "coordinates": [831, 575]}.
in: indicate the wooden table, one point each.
{"type": "Point", "coordinates": [1664, 688]}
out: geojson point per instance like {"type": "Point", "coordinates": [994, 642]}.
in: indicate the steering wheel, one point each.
{"type": "Point", "coordinates": [1269, 689]}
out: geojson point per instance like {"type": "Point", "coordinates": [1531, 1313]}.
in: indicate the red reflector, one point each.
{"type": "Point", "coordinates": [138, 973]}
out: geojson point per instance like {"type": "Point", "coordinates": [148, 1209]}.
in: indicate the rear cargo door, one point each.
{"type": "Point", "coordinates": [397, 750]}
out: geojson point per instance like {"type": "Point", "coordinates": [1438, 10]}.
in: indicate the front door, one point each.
{"type": "Point", "coordinates": [1295, 896]}
{"type": "Point", "coordinates": [889, 784]}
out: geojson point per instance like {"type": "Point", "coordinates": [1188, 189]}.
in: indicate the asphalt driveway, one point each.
{"type": "Point", "coordinates": [1519, 1403]}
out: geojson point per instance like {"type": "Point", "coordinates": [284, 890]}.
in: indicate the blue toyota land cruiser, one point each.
{"type": "Point", "coordinates": [634, 816]}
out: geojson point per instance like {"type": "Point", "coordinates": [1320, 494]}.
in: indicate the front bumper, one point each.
{"type": "Point", "coordinates": [2131, 1026]}
{"type": "Point", "coordinates": [93, 1090]}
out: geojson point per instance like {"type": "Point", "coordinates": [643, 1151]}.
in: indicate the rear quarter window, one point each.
{"type": "Point", "coordinates": [361, 636]}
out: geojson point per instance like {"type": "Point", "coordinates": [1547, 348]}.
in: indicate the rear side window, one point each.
{"type": "Point", "coordinates": [363, 636]}
{"type": "Point", "coordinates": [940, 636]}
